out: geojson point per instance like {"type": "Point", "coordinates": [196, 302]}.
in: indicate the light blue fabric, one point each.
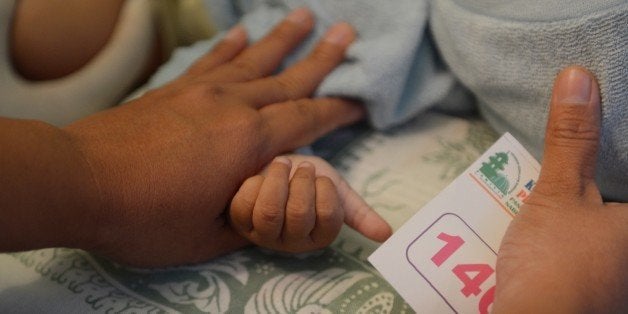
{"type": "Point", "coordinates": [505, 52]}
{"type": "Point", "coordinates": [393, 66]}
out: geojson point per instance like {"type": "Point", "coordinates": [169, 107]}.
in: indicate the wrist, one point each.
{"type": "Point", "coordinates": [46, 188]}
{"type": "Point", "coordinates": [90, 210]}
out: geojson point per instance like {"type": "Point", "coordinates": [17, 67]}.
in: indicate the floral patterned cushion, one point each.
{"type": "Point", "coordinates": [397, 172]}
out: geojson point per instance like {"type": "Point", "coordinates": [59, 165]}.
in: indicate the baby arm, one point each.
{"type": "Point", "coordinates": [298, 204]}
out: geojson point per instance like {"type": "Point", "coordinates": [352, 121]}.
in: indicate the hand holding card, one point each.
{"type": "Point", "coordinates": [443, 259]}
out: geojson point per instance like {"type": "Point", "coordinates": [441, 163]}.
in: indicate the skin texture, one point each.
{"type": "Point", "coordinates": [567, 250]}
{"type": "Point", "coordinates": [148, 183]}
{"type": "Point", "coordinates": [51, 39]}
{"type": "Point", "coordinates": [298, 204]}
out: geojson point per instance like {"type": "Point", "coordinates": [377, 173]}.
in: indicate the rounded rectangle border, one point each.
{"type": "Point", "coordinates": [407, 253]}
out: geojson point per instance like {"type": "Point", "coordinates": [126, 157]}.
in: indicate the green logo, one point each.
{"type": "Point", "coordinates": [492, 171]}
{"type": "Point", "coordinates": [501, 173]}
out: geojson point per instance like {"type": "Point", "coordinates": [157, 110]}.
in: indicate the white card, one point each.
{"type": "Point", "coordinates": [443, 259]}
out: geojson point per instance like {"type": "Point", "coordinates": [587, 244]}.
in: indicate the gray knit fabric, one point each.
{"type": "Point", "coordinates": [509, 62]}
{"type": "Point", "coordinates": [506, 53]}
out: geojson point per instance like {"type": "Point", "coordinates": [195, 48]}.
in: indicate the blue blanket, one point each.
{"type": "Point", "coordinates": [412, 55]}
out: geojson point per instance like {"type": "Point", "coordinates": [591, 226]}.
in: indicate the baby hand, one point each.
{"type": "Point", "coordinates": [299, 209]}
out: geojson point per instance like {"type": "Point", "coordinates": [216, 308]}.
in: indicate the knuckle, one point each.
{"type": "Point", "coordinates": [299, 210]}
{"type": "Point", "coordinates": [240, 204]}
{"type": "Point", "coordinates": [290, 86]}
{"type": "Point", "coordinates": [326, 211]}
{"type": "Point", "coordinates": [251, 123]}
{"type": "Point", "coordinates": [244, 135]}
{"type": "Point", "coordinates": [327, 208]}
{"type": "Point", "coordinates": [248, 123]}
{"type": "Point", "coordinates": [326, 54]}
{"type": "Point", "coordinates": [246, 200]}
{"type": "Point", "coordinates": [549, 191]}
{"type": "Point", "coordinates": [270, 215]}
{"type": "Point", "coordinates": [247, 67]}
{"type": "Point", "coordinates": [573, 130]}
{"type": "Point", "coordinates": [543, 198]}
{"type": "Point", "coordinates": [306, 108]}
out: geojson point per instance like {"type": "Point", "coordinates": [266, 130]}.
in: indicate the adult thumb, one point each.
{"type": "Point", "coordinates": [572, 135]}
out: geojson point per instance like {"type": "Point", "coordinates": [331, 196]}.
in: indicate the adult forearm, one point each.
{"type": "Point", "coordinates": [45, 188]}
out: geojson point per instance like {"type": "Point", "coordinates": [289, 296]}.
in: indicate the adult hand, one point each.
{"type": "Point", "coordinates": [167, 164]}
{"type": "Point", "coordinates": [567, 250]}
{"type": "Point", "coordinates": [298, 204]}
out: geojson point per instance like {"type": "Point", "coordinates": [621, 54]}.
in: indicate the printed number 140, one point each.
{"type": "Point", "coordinates": [471, 284]}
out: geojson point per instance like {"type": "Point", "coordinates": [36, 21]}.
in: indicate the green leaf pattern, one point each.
{"type": "Point", "coordinates": [337, 279]}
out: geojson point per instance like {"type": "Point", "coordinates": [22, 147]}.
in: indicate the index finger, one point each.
{"type": "Point", "coordinates": [293, 124]}
{"type": "Point", "coordinates": [357, 213]}
{"type": "Point", "coordinates": [302, 79]}
{"type": "Point", "coordinates": [263, 57]}
{"type": "Point", "coordinates": [360, 216]}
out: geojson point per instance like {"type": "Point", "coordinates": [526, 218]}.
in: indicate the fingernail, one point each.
{"type": "Point", "coordinates": [236, 33]}
{"type": "Point", "coordinates": [299, 16]}
{"type": "Point", "coordinates": [574, 87]}
{"type": "Point", "coordinates": [306, 164]}
{"type": "Point", "coordinates": [283, 160]}
{"type": "Point", "coordinates": [340, 34]}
